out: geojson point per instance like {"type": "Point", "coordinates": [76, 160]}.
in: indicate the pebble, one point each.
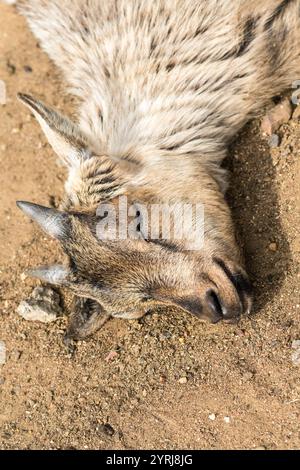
{"type": "Point", "coordinates": [10, 67]}
{"type": "Point", "coordinates": [273, 247]}
{"type": "Point", "coordinates": [2, 353]}
{"type": "Point", "coordinates": [296, 344]}
{"type": "Point", "coordinates": [27, 68]}
{"type": "Point", "coordinates": [182, 380]}
{"type": "Point", "coordinates": [3, 97]}
{"type": "Point", "coordinates": [296, 352]}
{"type": "Point", "coordinates": [106, 429]}
{"type": "Point", "coordinates": [280, 114]}
{"type": "Point", "coordinates": [43, 305]}
{"type": "Point", "coordinates": [274, 141]}
{"type": "Point", "coordinates": [212, 416]}
{"type": "Point", "coordinates": [15, 355]}
{"type": "Point", "coordinates": [226, 419]}
{"type": "Point", "coordinates": [111, 356]}
{"type": "Point", "coordinates": [247, 376]}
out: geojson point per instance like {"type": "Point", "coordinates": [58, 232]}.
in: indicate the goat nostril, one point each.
{"type": "Point", "coordinates": [241, 284]}
{"type": "Point", "coordinates": [214, 303]}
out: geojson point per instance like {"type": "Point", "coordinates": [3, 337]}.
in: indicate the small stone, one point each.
{"type": "Point", "coordinates": [15, 130]}
{"type": "Point", "coordinates": [144, 393]}
{"type": "Point", "coordinates": [43, 305]}
{"type": "Point", "coordinates": [182, 380]}
{"type": "Point", "coordinates": [2, 353]}
{"type": "Point", "coordinates": [212, 416]}
{"type": "Point", "coordinates": [166, 334]}
{"type": "Point", "coordinates": [106, 429]}
{"type": "Point", "coordinates": [23, 276]}
{"type": "Point", "coordinates": [10, 67]}
{"type": "Point", "coordinates": [181, 340]}
{"type": "Point", "coordinates": [247, 376]}
{"type": "Point", "coordinates": [27, 68]}
{"type": "Point", "coordinates": [274, 141]}
{"type": "Point", "coordinates": [296, 358]}
{"type": "Point", "coordinates": [273, 247]}
{"type": "Point", "coordinates": [296, 352]}
{"type": "Point", "coordinates": [15, 355]}
{"type": "Point", "coordinates": [280, 114]}
{"type": "Point", "coordinates": [111, 356]}
{"type": "Point", "coordinates": [226, 419]}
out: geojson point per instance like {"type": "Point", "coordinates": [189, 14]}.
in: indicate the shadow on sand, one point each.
{"type": "Point", "coordinates": [253, 198]}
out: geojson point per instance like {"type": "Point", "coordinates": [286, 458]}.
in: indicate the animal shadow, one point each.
{"type": "Point", "coordinates": [253, 199]}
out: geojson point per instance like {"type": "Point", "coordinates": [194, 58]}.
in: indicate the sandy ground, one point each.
{"type": "Point", "coordinates": [242, 373]}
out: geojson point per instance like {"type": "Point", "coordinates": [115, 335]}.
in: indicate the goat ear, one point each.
{"type": "Point", "coordinates": [65, 137]}
{"type": "Point", "coordinates": [52, 221]}
{"type": "Point", "coordinates": [56, 274]}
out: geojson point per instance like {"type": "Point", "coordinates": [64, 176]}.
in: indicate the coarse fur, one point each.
{"type": "Point", "coordinates": [164, 86]}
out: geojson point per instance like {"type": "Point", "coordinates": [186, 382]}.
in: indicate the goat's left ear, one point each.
{"type": "Point", "coordinates": [65, 137]}
{"type": "Point", "coordinates": [52, 221]}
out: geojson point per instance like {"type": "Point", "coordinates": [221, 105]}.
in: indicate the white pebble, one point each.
{"type": "Point", "coordinates": [296, 344]}
{"type": "Point", "coordinates": [212, 417]}
{"type": "Point", "coordinates": [2, 353]}
{"type": "Point", "coordinates": [43, 305]}
{"type": "Point", "coordinates": [296, 352]}
{"type": "Point", "coordinates": [226, 419]}
{"type": "Point", "coordinates": [182, 380]}
{"type": "Point", "coordinates": [35, 313]}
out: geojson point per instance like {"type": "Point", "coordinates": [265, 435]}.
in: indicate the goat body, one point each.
{"type": "Point", "coordinates": [164, 86]}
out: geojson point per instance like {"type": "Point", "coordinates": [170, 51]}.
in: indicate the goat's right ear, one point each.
{"type": "Point", "coordinates": [65, 137]}
{"type": "Point", "coordinates": [56, 274]}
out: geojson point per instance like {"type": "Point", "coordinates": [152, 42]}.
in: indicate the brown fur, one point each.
{"type": "Point", "coordinates": [164, 87]}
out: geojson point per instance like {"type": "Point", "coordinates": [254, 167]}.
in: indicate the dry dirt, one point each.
{"type": "Point", "coordinates": [135, 401]}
